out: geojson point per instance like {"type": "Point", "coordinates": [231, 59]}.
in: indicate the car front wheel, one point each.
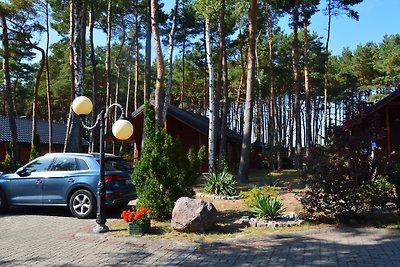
{"type": "Point", "coordinates": [82, 204]}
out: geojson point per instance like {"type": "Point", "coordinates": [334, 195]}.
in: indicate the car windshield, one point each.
{"type": "Point", "coordinates": [116, 164]}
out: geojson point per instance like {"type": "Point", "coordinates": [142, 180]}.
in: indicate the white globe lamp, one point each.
{"type": "Point", "coordinates": [122, 129]}
{"type": "Point", "coordinates": [82, 105]}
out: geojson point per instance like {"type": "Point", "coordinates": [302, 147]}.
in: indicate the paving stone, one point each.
{"type": "Point", "coordinates": [32, 239]}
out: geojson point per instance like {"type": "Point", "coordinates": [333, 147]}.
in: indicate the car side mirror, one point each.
{"type": "Point", "coordinates": [22, 172]}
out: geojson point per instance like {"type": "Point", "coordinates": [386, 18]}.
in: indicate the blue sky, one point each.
{"type": "Point", "coordinates": [376, 18]}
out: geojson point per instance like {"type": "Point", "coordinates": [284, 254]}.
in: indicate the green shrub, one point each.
{"type": "Point", "coordinates": [223, 183]}
{"type": "Point", "coordinates": [268, 208]}
{"type": "Point", "coordinates": [221, 166]}
{"type": "Point", "coordinates": [249, 197]}
{"type": "Point", "coordinates": [379, 191]}
{"type": "Point", "coordinates": [164, 173]}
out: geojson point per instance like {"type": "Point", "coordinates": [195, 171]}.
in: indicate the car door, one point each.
{"type": "Point", "coordinates": [26, 185]}
{"type": "Point", "coordinates": [62, 175]}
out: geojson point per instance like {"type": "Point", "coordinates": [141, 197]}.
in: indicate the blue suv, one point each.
{"type": "Point", "coordinates": [69, 180]}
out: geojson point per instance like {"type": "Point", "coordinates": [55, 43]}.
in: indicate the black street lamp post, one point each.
{"type": "Point", "coordinates": [122, 130]}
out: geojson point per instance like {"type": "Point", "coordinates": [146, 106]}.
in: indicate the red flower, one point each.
{"type": "Point", "coordinates": [141, 215]}
{"type": "Point", "coordinates": [143, 210]}
{"type": "Point", "coordinates": [138, 216]}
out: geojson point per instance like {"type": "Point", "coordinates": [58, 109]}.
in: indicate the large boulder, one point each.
{"type": "Point", "coordinates": [193, 215]}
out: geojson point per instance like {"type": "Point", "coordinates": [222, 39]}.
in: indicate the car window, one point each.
{"type": "Point", "coordinates": [41, 164]}
{"type": "Point", "coordinates": [64, 164]}
{"type": "Point", "coordinates": [117, 164]}
{"type": "Point", "coordinates": [81, 165]}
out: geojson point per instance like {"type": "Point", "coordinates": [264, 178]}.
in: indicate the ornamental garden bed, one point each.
{"type": "Point", "coordinates": [233, 212]}
{"type": "Point", "coordinates": [230, 213]}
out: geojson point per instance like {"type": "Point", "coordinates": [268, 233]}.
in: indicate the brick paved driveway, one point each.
{"type": "Point", "coordinates": [43, 237]}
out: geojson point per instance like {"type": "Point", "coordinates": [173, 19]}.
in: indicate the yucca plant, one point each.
{"type": "Point", "coordinates": [268, 208]}
{"type": "Point", "coordinates": [222, 183]}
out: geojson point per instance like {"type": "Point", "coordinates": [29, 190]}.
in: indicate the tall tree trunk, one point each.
{"type": "Point", "coordinates": [217, 97]}
{"type": "Point", "coordinates": [8, 93]}
{"type": "Point", "coordinates": [308, 139]}
{"type": "Point", "coordinates": [259, 96]}
{"type": "Point", "coordinates": [108, 62]}
{"type": "Point", "coordinates": [316, 118]}
{"type": "Point", "coordinates": [118, 66]}
{"type": "Point", "coordinates": [326, 82]}
{"type": "Point", "coordinates": [72, 72]}
{"type": "Point", "coordinates": [295, 63]}
{"type": "Point", "coordinates": [225, 108]}
{"type": "Point", "coordinates": [211, 125]}
{"type": "Point", "coordinates": [159, 94]}
{"type": "Point", "coordinates": [272, 122]}
{"type": "Point", "coordinates": [147, 69]}
{"type": "Point", "coordinates": [244, 165]}
{"type": "Point", "coordinates": [93, 63]}
{"type": "Point", "coordinates": [79, 12]}
{"type": "Point", "coordinates": [129, 82]}
{"type": "Point", "coordinates": [237, 103]}
{"type": "Point", "coordinates": [36, 94]}
{"type": "Point", "coordinates": [183, 75]}
{"type": "Point", "coordinates": [170, 54]}
{"type": "Point", "coordinates": [135, 95]}
{"type": "Point", "coordinates": [290, 116]}
{"type": "Point", "coordinates": [205, 88]}
{"type": "Point", "coordinates": [48, 89]}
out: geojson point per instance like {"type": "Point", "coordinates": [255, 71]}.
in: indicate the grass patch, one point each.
{"type": "Point", "coordinates": [227, 226]}
{"type": "Point", "coordinates": [282, 178]}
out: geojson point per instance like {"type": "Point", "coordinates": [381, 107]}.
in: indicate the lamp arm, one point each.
{"type": "Point", "coordinates": [87, 127]}
{"type": "Point", "coordinates": [103, 115]}
{"type": "Point", "coordinates": [115, 105]}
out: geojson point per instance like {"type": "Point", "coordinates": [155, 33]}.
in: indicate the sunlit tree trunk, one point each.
{"type": "Point", "coordinates": [118, 66]}
{"type": "Point", "coordinates": [295, 63]}
{"type": "Point", "coordinates": [183, 75]}
{"type": "Point", "coordinates": [236, 125]}
{"type": "Point", "coordinates": [108, 62]}
{"type": "Point", "coordinates": [72, 73]}
{"type": "Point", "coordinates": [224, 66]}
{"type": "Point", "coordinates": [136, 90]}
{"type": "Point", "coordinates": [273, 140]}
{"type": "Point", "coordinates": [79, 15]}
{"type": "Point", "coordinates": [129, 85]}
{"type": "Point", "coordinates": [93, 63]}
{"type": "Point", "coordinates": [211, 119]}
{"type": "Point", "coordinates": [48, 90]}
{"type": "Point", "coordinates": [159, 94]}
{"type": "Point", "coordinates": [308, 139]}
{"type": "Point", "coordinates": [36, 94]}
{"type": "Point", "coordinates": [7, 91]}
{"type": "Point", "coordinates": [147, 69]}
{"type": "Point", "coordinates": [259, 120]}
{"type": "Point", "coordinates": [244, 164]}
{"type": "Point", "coordinates": [170, 54]}
{"type": "Point", "coordinates": [325, 120]}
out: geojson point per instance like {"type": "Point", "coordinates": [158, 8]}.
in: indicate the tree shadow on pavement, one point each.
{"type": "Point", "coordinates": [339, 247]}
